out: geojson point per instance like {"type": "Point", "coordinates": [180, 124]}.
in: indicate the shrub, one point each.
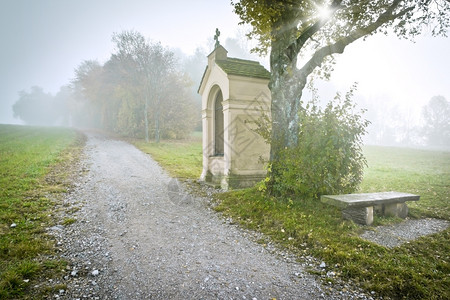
{"type": "Point", "coordinates": [328, 158]}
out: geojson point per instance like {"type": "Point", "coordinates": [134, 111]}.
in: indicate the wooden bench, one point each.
{"type": "Point", "coordinates": [360, 207]}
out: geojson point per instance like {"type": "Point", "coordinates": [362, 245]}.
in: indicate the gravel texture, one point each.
{"type": "Point", "coordinates": [138, 235]}
{"type": "Point", "coordinates": [395, 235]}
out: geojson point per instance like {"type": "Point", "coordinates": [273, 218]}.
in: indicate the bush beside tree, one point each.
{"type": "Point", "coordinates": [328, 158]}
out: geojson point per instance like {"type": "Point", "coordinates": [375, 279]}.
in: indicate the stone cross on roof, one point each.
{"type": "Point", "coordinates": [216, 38]}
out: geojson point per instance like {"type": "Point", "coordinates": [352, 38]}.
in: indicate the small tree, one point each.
{"type": "Point", "coordinates": [137, 92]}
{"type": "Point", "coordinates": [133, 53]}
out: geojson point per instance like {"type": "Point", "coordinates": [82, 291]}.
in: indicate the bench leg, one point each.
{"type": "Point", "coordinates": [359, 215]}
{"type": "Point", "coordinates": [396, 210]}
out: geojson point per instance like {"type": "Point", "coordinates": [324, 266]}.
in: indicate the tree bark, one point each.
{"type": "Point", "coordinates": [284, 105]}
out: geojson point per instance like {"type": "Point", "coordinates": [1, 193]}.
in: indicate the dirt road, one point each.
{"type": "Point", "coordinates": [138, 237]}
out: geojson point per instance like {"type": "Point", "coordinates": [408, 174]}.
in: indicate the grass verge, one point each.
{"type": "Point", "coordinates": [182, 159]}
{"type": "Point", "coordinates": [32, 171]}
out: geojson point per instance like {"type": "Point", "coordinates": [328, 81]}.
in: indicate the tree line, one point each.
{"type": "Point", "coordinates": [141, 91]}
{"type": "Point", "coordinates": [395, 126]}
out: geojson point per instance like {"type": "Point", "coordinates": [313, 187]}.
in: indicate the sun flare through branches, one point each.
{"type": "Point", "coordinates": [323, 12]}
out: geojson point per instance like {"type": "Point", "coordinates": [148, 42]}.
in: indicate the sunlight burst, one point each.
{"type": "Point", "coordinates": [323, 12]}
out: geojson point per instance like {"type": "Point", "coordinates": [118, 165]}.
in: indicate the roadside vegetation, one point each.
{"type": "Point", "coordinates": [33, 169]}
{"type": "Point", "coordinates": [416, 270]}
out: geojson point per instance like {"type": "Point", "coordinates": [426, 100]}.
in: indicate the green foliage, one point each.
{"type": "Point", "coordinates": [328, 158]}
{"type": "Point", "coordinates": [327, 21]}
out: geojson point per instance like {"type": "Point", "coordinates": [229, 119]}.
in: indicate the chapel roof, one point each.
{"type": "Point", "coordinates": [243, 67]}
{"type": "Point", "coordinates": [234, 66]}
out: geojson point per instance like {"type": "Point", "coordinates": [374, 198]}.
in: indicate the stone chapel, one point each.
{"type": "Point", "coordinates": [235, 94]}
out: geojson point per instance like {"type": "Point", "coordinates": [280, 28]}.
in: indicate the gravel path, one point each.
{"type": "Point", "coordinates": [139, 236]}
{"type": "Point", "coordinates": [391, 236]}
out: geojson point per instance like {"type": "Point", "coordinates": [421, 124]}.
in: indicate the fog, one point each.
{"type": "Point", "coordinates": [45, 41]}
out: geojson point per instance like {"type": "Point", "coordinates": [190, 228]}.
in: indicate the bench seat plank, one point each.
{"type": "Point", "coordinates": [360, 207]}
{"type": "Point", "coordinates": [368, 199]}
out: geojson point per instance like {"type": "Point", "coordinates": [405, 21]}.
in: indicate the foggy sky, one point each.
{"type": "Point", "coordinates": [43, 41]}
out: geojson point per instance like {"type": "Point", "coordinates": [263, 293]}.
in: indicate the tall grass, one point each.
{"type": "Point", "coordinates": [27, 155]}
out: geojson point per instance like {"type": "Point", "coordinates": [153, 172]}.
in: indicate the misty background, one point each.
{"type": "Point", "coordinates": [404, 86]}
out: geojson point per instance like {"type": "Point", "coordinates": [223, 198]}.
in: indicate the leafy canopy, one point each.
{"type": "Point", "coordinates": [315, 24]}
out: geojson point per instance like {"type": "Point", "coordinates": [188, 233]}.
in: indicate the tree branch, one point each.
{"type": "Point", "coordinates": [311, 30]}
{"type": "Point", "coordinates": [339, 46]}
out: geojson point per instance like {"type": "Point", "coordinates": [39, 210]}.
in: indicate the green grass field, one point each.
{"type": "Point", "coordinates": [421, 172]}
{"type": "Point", "coordinates": [27, 156]}
{"type": "Point", "coordinates": [416, 270]}
{"type": "Point", "coordinates": [31, 168]}
{"type": "Point", "coordinates": [182, 159]}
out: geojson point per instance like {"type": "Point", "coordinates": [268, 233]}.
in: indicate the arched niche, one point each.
{"type": "Point", "coordinates": [218, 125]}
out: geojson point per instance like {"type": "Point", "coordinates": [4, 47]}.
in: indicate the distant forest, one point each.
{"type": "Point", "coordinates": [148, 91]}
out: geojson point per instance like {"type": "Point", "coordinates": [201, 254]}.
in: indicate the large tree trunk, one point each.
{"type": "Point", "coordinates": [286, 88]}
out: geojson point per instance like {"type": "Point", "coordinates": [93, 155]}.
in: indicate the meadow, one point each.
{"type": "Point", "coordinates": [34, 167]}
{"type": "Point", "coordinates": [31, 175]}
{"type": "Point", "coordinates": [182, 159]}
{"type": "Point", "coordinates": [416, 270]}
